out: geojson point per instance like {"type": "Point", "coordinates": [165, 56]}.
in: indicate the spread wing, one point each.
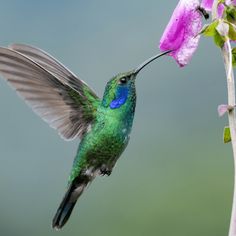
{"type": "Point", "coordinates": [66, 103]}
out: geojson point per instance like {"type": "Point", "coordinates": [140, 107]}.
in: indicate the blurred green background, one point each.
{"type": "Point", "coordinates": [176, 176]}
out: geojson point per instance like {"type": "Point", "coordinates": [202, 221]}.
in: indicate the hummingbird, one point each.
{"type": "Point", "coordinates": [71, 107]}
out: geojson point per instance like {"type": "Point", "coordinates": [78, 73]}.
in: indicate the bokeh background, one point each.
{"type": "Point", "coordinates": [176, 176]}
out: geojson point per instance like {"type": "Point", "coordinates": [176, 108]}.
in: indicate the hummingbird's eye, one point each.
{"type": "Point", "coordinates": [123, 80]}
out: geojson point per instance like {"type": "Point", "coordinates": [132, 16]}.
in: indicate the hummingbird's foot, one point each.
{"type": "Point", "coordinates": [104, 170]}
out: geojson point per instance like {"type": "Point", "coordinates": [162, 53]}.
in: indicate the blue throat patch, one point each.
{"type": "Point", "coordinates": [121, 97]}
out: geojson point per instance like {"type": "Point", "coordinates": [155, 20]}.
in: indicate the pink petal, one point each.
{"type": "Point", "coordinates": [220, 10]}
{"type": "Point", "coordinates": [207, 4]}
{"type": "Point", "coordinates": [181, 33]}
{"type": "Point", "coordinates": [222, 109]}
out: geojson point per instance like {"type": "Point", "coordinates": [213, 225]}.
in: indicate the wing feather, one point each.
{"type": "Point", "coordinates": [66, 103]}
{"type": "Point", "coordinates": [52, 65]}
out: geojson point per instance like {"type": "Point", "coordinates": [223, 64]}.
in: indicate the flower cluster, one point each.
{"type": "Point", "coordinates": [183, 31]}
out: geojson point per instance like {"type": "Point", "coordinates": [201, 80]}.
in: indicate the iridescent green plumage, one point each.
{"type": "Point", "coordinates": [71, 107]}
{"type": "Point", "coordinates": [109, 134]}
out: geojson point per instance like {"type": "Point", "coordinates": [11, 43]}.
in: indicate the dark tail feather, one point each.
{"type": "Point", "coordinates": [74, 191]}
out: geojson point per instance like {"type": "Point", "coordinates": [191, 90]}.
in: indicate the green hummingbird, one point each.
{"type": "Point", "coordinates": [71, 107]}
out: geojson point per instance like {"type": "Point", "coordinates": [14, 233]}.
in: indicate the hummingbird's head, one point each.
{"type": "Point", "coordinates": [120, 90]}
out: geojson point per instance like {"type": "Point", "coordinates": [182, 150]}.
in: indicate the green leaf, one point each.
{"type": "Point", "coordinates": [227, 136]}
{"type": "Point", "coordinates": [231, 14]}
{"type": "Point", "coordinates": [219, 40]}
{"type": "Point", "coordinates": [232, 32]}
{"type": "Point", "coordinates": [234, 57]}
{"type": "Point", "coordinates": [209, 30]}
{"type": "Point", "coordinates": [212, 29]}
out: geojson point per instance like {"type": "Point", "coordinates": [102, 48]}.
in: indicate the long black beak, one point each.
{"type": "Point", "coordinates": [145, 63]}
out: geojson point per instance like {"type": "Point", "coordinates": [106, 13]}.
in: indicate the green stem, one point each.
{"type": "Point", "coordinates": [227, 55]}
{"type": "Point", "coordinates": [214, 10]}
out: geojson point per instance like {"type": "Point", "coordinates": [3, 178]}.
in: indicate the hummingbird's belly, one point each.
{"type": "Point", "coordinates": [101, 147]}
{"type": "Point", "coordinates": [109, 145]}
{"type": "Point", "coordinates": [105, 145]}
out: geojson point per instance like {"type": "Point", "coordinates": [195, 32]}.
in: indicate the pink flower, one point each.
{"type": "Point", "coordinates": [207, 5]}
{"type": "Point", "coordinates": [181, 33]}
